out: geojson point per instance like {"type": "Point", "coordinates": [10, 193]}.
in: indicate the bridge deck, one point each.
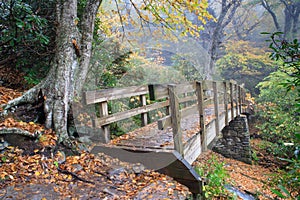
{"type": "Point", "coordinates": [150, 137]}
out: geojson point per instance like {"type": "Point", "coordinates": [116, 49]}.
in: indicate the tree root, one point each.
{"type": "Point", "coordinates": [74, 175]}
{"type": "Point", "coordinates": [5, 131]}
{"type": "Point", "coordinates": [28, 97]}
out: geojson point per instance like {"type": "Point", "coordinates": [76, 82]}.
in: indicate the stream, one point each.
{"type": "Point", "coordinates": [240, 194]}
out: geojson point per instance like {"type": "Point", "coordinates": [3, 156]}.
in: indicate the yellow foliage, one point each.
{"type": "Point", "coordinates": [170, 14]}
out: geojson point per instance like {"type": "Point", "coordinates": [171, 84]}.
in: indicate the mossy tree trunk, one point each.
{"type": "Point", "coordinates": [69, 66]}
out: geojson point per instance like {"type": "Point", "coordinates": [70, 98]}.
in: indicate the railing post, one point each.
{"type": "Point", "coordinates": [240, 99]}
{"type": "Point", "coordinates": [175, 118]}
{"type": "Point", "coordinates": [105, 129]}
{"type": "Point", "coordinates": [144, 118]}
{"type": "Point", "coordinates": [199, 90]}
{"type": "Point", "coordinates": [231, 100]}
{"type": "Point", "coordinates": [226, 103]}
{"type": "Point", "coordinates": [216, 106]}
{"type": "Point", "coordinates": [236, 99]}
{"type": "Point", "coordinates": [243, 99]}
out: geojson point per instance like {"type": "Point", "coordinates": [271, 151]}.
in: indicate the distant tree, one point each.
{"type": "Point", "coordinates": [228, 9]}
{"type": "Point", "coordinates": [245, 64]}
{"type": "Point", "coordinates": [291, 15]}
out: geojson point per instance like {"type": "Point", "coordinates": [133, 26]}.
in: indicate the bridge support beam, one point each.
{"type": "Point", "coordinates": [234, 142]}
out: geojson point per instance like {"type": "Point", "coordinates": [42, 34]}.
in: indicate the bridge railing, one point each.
{"type": "Point", "coordinates": [207, 98]}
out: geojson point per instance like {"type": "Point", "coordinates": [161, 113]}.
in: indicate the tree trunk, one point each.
{"type": "Point", "coordinates": [70, 63]}
{"type": "Point", "coordinates": [228, 10]}
{"type": "Point", "coordinates": [266, 5]}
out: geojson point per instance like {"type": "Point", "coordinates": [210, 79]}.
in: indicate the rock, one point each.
{"type": "Point", "coordinates": [116, 171]}
{"type": "Point", "coordinates": [138, 168]}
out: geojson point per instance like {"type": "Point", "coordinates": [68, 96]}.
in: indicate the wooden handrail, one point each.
{"type": "Point", "coordinates": [180, 100]}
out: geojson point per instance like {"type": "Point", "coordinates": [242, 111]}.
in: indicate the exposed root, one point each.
{"type": "Point", "coordinates": [74, 175]}
{"type": "Point", "coordinates": [4, 131]}
{"type": "Point", "coordinates": [28, 97]}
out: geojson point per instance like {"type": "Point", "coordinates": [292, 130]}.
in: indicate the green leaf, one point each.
{"type": "Point", "coordinates": [283, 189]}
{"type": "Point", "coordinates": [278, 193]}
{"type": "Point", "coordinates": [56, 164]}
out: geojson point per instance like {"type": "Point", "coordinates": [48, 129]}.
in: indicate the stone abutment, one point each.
{"type": "Point", "coordinates": [234, 142]}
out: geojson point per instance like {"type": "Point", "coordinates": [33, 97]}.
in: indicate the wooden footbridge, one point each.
{"type": "Point", "coordinates": [190, 116]}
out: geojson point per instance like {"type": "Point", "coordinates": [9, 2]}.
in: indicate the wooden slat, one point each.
{"type": "Point", "coordinates": [225, 103]}
{"type": "Point", "coordinates": [189, 111]}
{"type": "Point", "coordinates": [98, 96]}
{"type": "Point", "coordinates": [158, 91]}
{"type": "Point", "coordinates": [203, 137]}
{"type": "Point", "coordinates": [187, 98]}
{"type": "Point", "coordinates": [231, 100]}
{"type": "Point", "coordinates": [164, 122]}
{"type": "Point", "coordinates": [240, 99]}
{"type": "Point", "coordinates": [103, 113]}
{"type": "Point", "coordinates": [144, 118]}
{"type": "Point", "coordinates": [192, 148]}
{"type": "Point", "coordinates": [216, 106]}
{"type": "Point", "coordinates": [175, 118]}
{"type": "Point", "coordinates": [129, 113]}
{"type": "Point", "coordinates": [236, 99]}
{"type": "Point", "coordinates": [185, 88]}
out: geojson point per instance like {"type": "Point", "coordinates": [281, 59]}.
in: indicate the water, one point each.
{"type": "Point", "coordinates": [239, 193]}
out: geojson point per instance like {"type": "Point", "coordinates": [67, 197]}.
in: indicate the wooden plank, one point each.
{"type": "Point", "coordinates": [158, 91]}
{"type": "Point", "coordinates": [187, 99]}
{"type": "Point", "coordinates": [98, 96]}
{"type": "Point", "coordinates": [216, 107]}
{"type": "Point", "coordinates": [192, 148]}
{"type": "Point", "coordinates": [129, 113]}
{"type": "Point", "coordinates": [236, 99]}
{"type": "Point", "coordinates": [164, 122]}
{"type": "Point", "coordinates": [231, 100]}
{"type": "Point", "coordinates": [144, 119]}
{"type": "Point", "coordinates": [211, 131]}
{"type": "Point", "coordinates": [185, 88]}
{"type": "Point", "coordinates": [152, 159]}
{"type": "Point", "coordinates": [240, 98]}
{"type": "Point", "coordinates": [203, 138]}
{"type": "Point", "coordinates": [226, 103]}
{"type": "Point", "coordinates": [189, 111]}
{"type": "Point", "coordinates": [175, 118]}
{"type": "Point", "coordinates": [103, 106]}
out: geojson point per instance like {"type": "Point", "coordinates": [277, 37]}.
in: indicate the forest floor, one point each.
{"type": "Point", "coordinates": [34, 169]}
